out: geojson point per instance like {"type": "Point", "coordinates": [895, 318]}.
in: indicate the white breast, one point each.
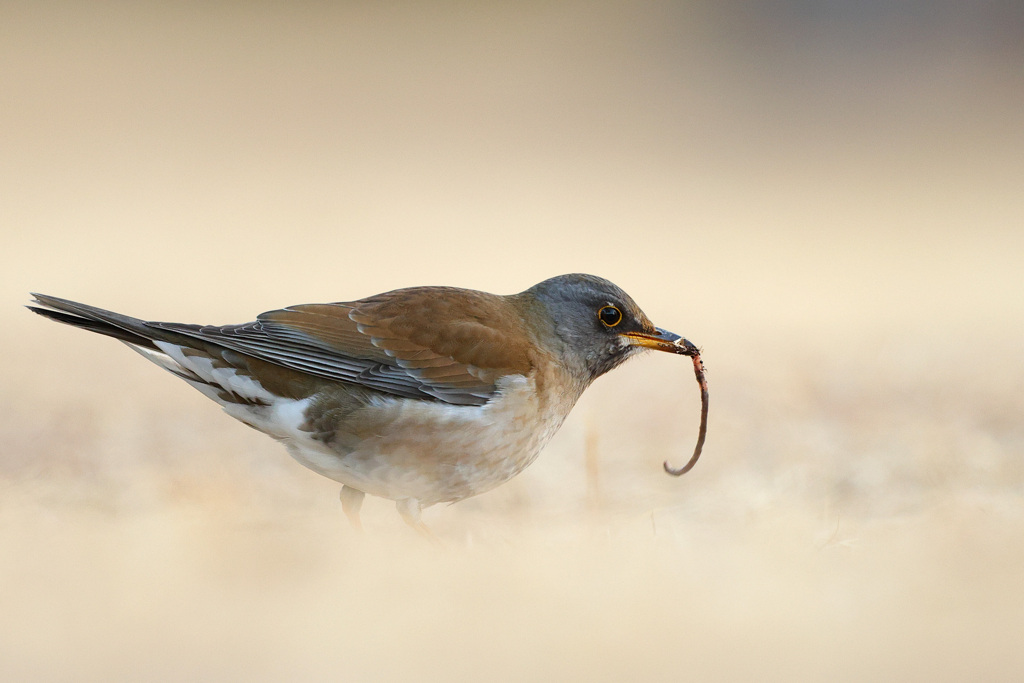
{"type": "Point", "coordinates": [435, 452]}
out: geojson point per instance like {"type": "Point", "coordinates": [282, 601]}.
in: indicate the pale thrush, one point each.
{"type": "Point", "coordinates": [422, 395]}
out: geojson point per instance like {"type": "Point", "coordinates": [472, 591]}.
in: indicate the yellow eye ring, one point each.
{"type": "Point", "coordinates": [609, 315]}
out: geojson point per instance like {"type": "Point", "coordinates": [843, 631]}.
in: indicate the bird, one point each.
{"type": "Point", "coordinates": [421, 395]}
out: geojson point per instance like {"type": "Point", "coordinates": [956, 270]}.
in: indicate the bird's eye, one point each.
{"type": "Point", "coordinates": [610, 316]}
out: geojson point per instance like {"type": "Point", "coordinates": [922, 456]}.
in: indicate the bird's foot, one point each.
{"type": "Point", "coordinates": [410, 510]}
{"type": "Point", "coordinates": [351, 501]}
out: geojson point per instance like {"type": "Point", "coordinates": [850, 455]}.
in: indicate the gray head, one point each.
{"type": "Point", "coordinates": [595, 326]}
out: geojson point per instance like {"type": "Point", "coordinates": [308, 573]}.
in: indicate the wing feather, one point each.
{"type": "Point", "coordinates": [442, 343]}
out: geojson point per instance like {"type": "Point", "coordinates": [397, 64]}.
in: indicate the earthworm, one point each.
{"type": "Point", "coordinates": [688, 349]}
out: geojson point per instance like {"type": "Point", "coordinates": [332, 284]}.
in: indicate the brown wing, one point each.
{"type": "Point", "coordinates": [427, 342]}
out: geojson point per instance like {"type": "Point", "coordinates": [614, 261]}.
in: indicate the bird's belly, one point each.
{"type": "Point", "coordinates": [435, 452]}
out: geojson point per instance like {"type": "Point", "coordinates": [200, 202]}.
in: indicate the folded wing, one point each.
{"type": "Point", "coordinates": [411, 343]}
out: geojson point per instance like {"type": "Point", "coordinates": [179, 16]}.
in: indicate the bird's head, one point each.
{"type": "Point", "coordinates": [594, 326]}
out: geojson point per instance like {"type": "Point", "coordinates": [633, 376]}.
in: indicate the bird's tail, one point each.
{"type": "Point", "coordinates": [123, 327]}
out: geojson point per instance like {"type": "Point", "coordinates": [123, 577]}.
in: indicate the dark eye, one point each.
{"type": "Point", "coordinates": [610, 316]}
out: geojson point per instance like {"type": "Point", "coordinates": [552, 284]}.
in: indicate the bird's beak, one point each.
{"type": "Point", "coordinates": [662, 340]}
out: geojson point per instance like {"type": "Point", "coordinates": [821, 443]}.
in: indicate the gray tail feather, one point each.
{"type": "Point", "coordinates": [123, 327]}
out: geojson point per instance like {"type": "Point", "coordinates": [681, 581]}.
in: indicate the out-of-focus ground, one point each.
{"type": "Point", "coordinates": [829, 201]}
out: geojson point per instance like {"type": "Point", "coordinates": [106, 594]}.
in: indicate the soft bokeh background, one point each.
{"type": "Point", "coordinates": [826, 196]}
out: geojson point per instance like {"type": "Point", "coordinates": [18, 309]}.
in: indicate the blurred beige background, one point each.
{"type": "Point", "coordinates": [827, 199]}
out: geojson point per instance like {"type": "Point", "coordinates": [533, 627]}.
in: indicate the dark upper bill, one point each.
{"type": "Point", "coordinates": [662, 340]}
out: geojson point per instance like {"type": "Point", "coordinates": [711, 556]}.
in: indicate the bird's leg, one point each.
{"type": "Point", "coordinates": [410, 509]}
{"type": "Point", "coordinates": [351, 501]}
